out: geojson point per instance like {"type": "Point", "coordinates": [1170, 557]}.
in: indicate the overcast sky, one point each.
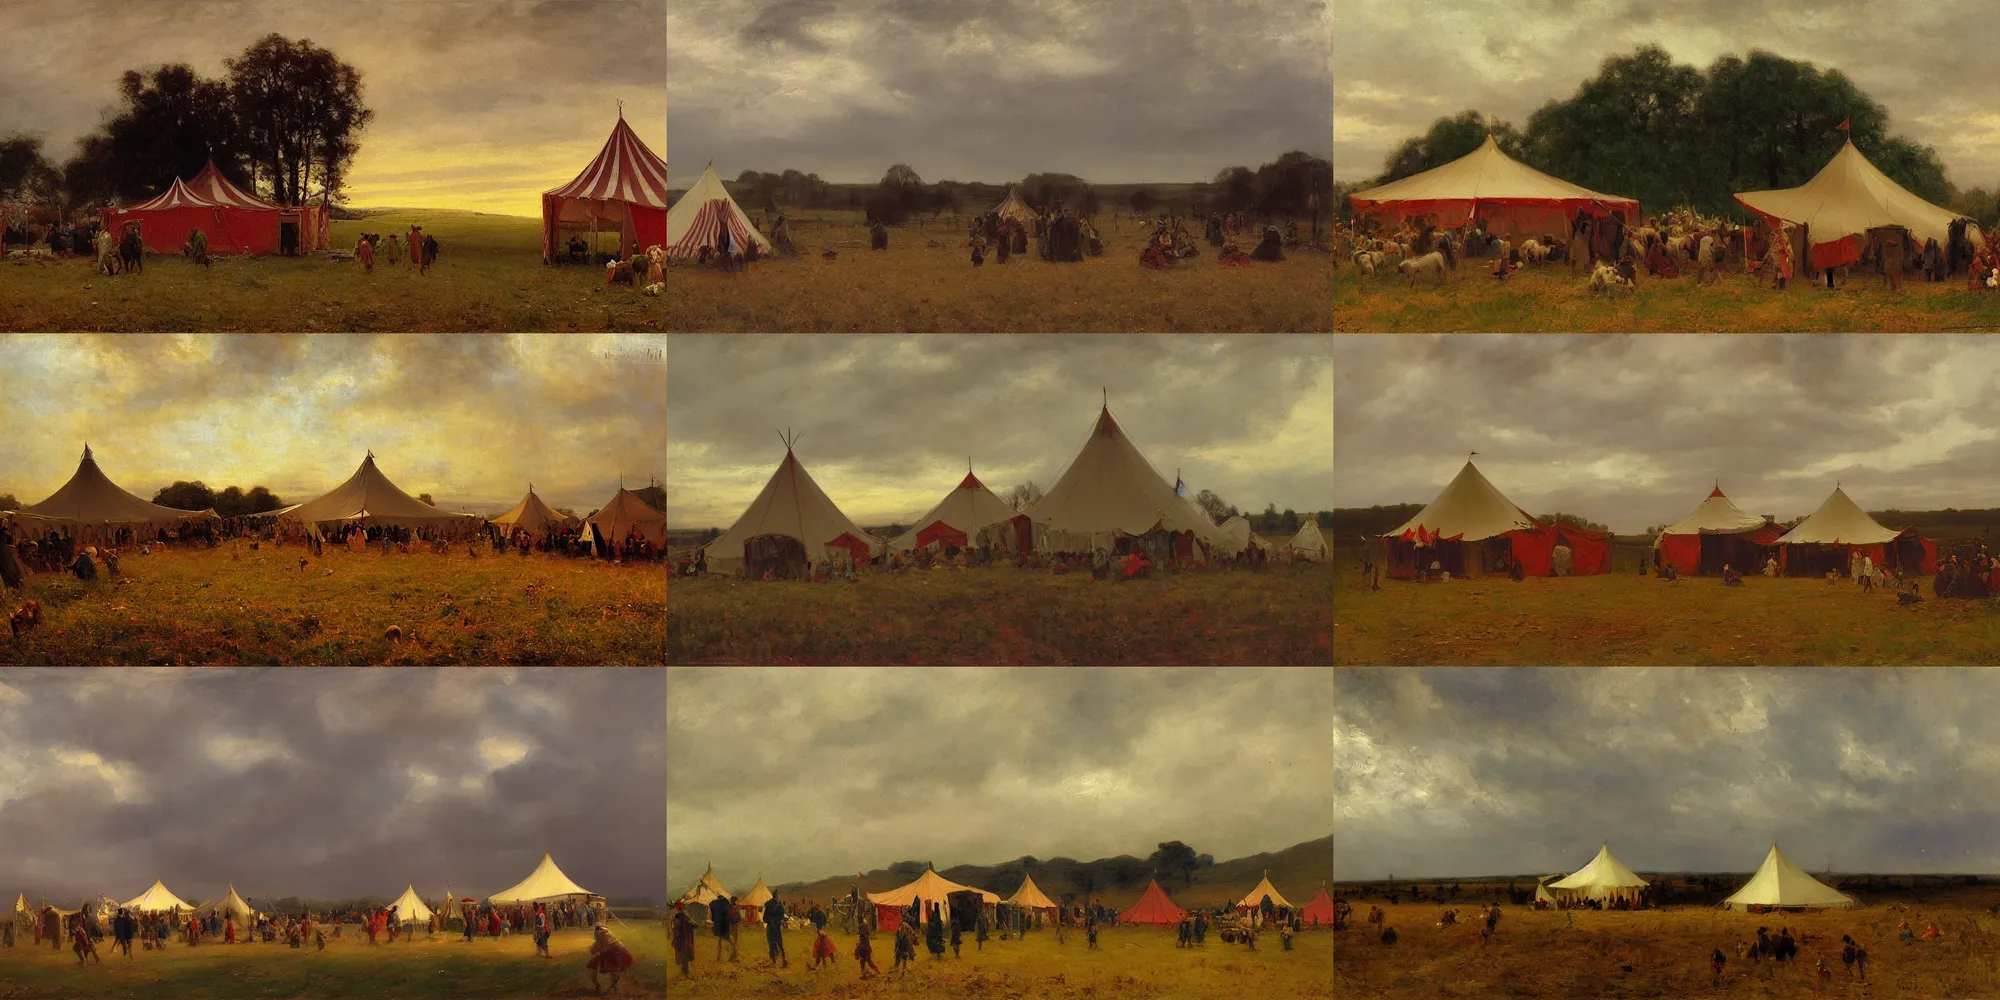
{"type": "Point", "coordinates": [328, 783]}
{"type": "Point", "coordinates": [1113, 91]}
{"type": "Point", "coordinates": [1398, 72]}
{"type": "Point", "coordinates": [469, 418]}
{"type": "Point", "coordinates": [479, 104]}
{"type": "Point", "coordinates": [1527, 771]}
{"type": "Point", "coordinates": [802, 773]}
{"type": "Point", "coordinates": [887, 423]}
{"type": "Point", "coordinates": [1633, 431]}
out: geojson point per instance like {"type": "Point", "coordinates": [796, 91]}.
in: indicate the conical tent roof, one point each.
{"type": "Point", "coordinates": [1110, 488]}
{"type": "Point", "coordinates": [758, 895]}
{"type": "Point", "coordinates": [626, 513]}
{"type": "Point", "coordinates": [1838, 521]}
{"type": "Point", "coordinates": [157, 900]}
{"type": "Point", "coordinates": [1603, 878]}
{"type": "Point", "coordinates": [1486, 174]}
{"type": "Point", "coordinates": [212, 186]}
{"type": "Point", "coordinates": [625, 170]}
{"type": "Point", "coordinates": [705, 888]}
{"type": "Point", "coordinates": [1717, 515]}
{"type": "Point", "coordinates": [409, 907]}
{"type": "Point", "coordinates": [534, 516]}
{"type": "Point", "coordinates": [963, 511]}
{"type": "Point", "coordinates": [1153, 908]}
{"type": "Point", "coordinates": [791, 504]}
{"type": "Point", "coordinates": [1542, 892]}
{"type": "Point", "coordinates": [701, 214]}
{"type": "Point", "coordinates": [1256, 896]}
{"type": "Point", "coordinates": [1012, 207]}
{"type": "Point", "coordinates": [1309, 543]}
{"type": "Point", "coordinates": [368, 497]}
{"type": "Point", "coordinates": [930, 887]}
{"type": "Point", "coordinates": [177, 195]}
{"type": "Point", "coordinates": [1030, 896]}
{"type": "Point", "coordinates": [1320, 910]}
{"type": "Point", "coordinates": [1848, 197]}
{"type": "Point", "coordinates": [1778, 882]}
{"type": "Point", "coordinates": [91, 498]}
{"type": "Point", "coordinates": [546, 882]}
{"type": "Point", "coordinates": [233, 904]}
{"type": "Point", "coordinates": [1469, 508]}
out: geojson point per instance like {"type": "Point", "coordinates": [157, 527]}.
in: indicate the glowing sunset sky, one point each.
{"type": "Point", "coordinates": [479, 104]}
{"type": "Point", "coordinates": [469, 419]}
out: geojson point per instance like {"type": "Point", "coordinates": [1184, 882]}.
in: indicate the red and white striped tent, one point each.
{"type": "Point", "coordinates": [624, 191]}
{"type": "Point", "coordinates": [231, 219]}
{"type": "Point", "coordinates": [699, 217]}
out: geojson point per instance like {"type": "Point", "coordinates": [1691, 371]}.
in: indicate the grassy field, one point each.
{"type": "Point", "coordinates": [915, 286]}
{"type": "Point", "coordinates": [444, 967]}
{"type": "Point", "coordinates": [489, 276]}
{"type": "Point", "coordinates": [1627, 619]}
{"type": "Point", "coordinates": [1131, 963]}
{"type": "Point", "coordinates": [1002, 615]}
{"type": "Point", "coordinates": [231, 605]}
{"type": "Point", "coordinates": [1664, 953]}
{"type": "Point", "coordinates": [1550, 300]}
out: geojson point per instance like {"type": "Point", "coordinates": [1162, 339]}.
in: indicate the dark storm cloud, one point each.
{"type": "Point", "coordinates": [479, 104]}
{"type": "Point", "coordinates": [470, 419]}
{"type": "Point", "coordinates": [888, 422]}
{"type": "Point", "coordinates": [991, 90]}
{"type": "Point", "coordinates": [1504, 771]}
{"type": "Point", "coordinates": [329, 783]}
{"type": "Point", "coordinates": [1397, 73]}
{"type": "Point", "coordinates": [801, 774]}
{"type": "Point", "coordinates": [1634, 431]}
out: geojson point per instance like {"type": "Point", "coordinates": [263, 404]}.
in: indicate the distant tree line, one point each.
{"type": "Point", "coordinates": [232, 501]}
{"type": "Point", "coordinates": [1296, 184]}
{"type": "Point", "coordinates": [1670, 134]}
{"type": "Point", "coordinates": [285, 122]}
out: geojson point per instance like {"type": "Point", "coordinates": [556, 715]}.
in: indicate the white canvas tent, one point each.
{"type": "Point", "coordinates": [1256, 897]}
{"type": "Point", "coordinates": [957, 518]}
{"type": "Point", "coordinates": [1468, 509]}
{"type": "Point", "coordinates": [698, 896]}
{"type": "Point", "coordinates": [368, 497]}
{"type": "Point", "coordinates": [1838, 521]}
{"type": "Point", "coordinates": [1030, 896]}
{"type": "Point", "coordinates": [1542, 891]}
{"type": "Point", "coordinates": [534, 516]}
{"type": "Point", "coordinates": [1717, 515]}
{"type": "Point", "coordinates": [1237, 536]}
{"type": "Point", "coordinates": [1848, 197]}
{"type": "Point", "coordinates": [1013, 208]}
{"type": "Point", "coordinates": [1605, 877]}
{"type": "Point", "coordinates": [544, 884]}
{"type": "Point", "coordinates": [699, 217]}
{"type": "Point", "coordinates": [930, 887]}
{"type": "Point", "coordinates": [91, 500]}
{"type": "Point", "coordinates": [624, 514]}
{"type": "Point", "coordinates": [1309, 543]}
{"type": "Point", "coordinates": [1109, 489]}
{"type": "Point", "coordinates": [157, 900]}
{"type": "Point", "coordinates": [232, 905]}
{"type": "Point", "coordinates": [792, 505]}
{"type": "Point", "coordinates": [1778, 882]}
{"type": "Point", "coordinates": [409, 908]}
{"type": "Point", "coordinates": [1509, 196]}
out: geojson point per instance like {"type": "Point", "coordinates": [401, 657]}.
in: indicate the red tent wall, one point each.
{"type": "Point", "coordinates": [938, 531]}
{"type": "Point", "coordinates": [1682, 552]}
{"type": "Point", "coordinates": [888, 919]}
{"type": "Point", "coordinates": [855, 547]}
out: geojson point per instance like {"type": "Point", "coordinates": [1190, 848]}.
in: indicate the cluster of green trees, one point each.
{"type": "Point", "coordinates": [232, 501]}
{"type": "Point", "coordinates": [1670, 134]}
{"type": "Point", "coordinates": [1296, 184]}
{"type": "Point", "coordinates": [284, 121]}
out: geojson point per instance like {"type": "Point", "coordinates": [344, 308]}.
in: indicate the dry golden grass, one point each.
{"type": "Point", "coordinates": [915, 287]}
{"type": "Point", "coordinates": [1627, 619]}
{"type": "Point", "coordinates": [1664, 953]}
{"type": "Point", "coordinates": [1551, 300]}
{"type": "Point", "coordinates": [1130, 963]}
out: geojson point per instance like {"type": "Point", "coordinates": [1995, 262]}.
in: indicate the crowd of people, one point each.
{"type": "Point", "coordinates": [1131, 558]}
{"type": "Point", "coordinates": [154, 930]}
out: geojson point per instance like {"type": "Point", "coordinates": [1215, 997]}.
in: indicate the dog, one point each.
{"type": "Point", "coordinates": [1605, 280]}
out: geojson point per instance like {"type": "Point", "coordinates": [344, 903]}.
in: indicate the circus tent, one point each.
{"type": "Point", "coordinates": [622, 191]}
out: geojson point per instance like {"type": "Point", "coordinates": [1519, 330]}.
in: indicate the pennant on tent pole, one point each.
{"type": "Point", "coordinates": [1843, 126]}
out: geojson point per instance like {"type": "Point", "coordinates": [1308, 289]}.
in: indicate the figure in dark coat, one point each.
{"type": "Point", "coordinates": [934, 933]}
{"type": "Point", "coordinates": [11, 572]}
{"type": "Point", "coordinates": [1272, 249]}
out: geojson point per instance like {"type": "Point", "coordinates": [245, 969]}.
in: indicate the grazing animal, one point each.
{"type": "Point", "coordinates": [1431, 263]}
{"type": "Point", "coordinates": [1366, 261]}
{"type": "Point", "coordinates": [1533, 252]}
{"type": "Point", "coordinates": [107, 253]}
{"type": "Point", "coordinates": [1605, 280]}
{"type": "Point", "coordinates": [393, 633]}
{"type": "Point", "coordinates": [131, 252]}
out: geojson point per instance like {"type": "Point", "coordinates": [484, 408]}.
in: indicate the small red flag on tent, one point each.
{"type": "Point", "coordinates": [1843, 124]}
